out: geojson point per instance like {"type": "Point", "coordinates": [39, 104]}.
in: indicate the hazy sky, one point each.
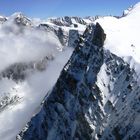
{"type": "Point", "coordinates": [49, 8]}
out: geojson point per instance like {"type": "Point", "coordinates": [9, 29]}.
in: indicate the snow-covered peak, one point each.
{"type": "Point", "coordinates": [90, 19]}
{"type": "Point", "coordinates": [67, 21]}
{"type": "Point", "coordinates": [20, 18]}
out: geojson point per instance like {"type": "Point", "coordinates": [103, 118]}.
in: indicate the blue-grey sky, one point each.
{"type": "Point", "coordinates": [57, 8]}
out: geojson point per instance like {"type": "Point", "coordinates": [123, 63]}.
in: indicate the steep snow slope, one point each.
{"type": "Point", "coordinates": [123, 35]}
{"type": "Point", "coordinates": [97, 95]}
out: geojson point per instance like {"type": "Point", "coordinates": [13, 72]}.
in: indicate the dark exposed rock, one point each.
{"type": "Point", "coordinates": [3, 19]}
{"type": "Point", "coordinates": [99, 36]}
{"type": "Point", "coordinates": [62, 35]}
{"type": "Point", "coordinates": [62, 111]}
{"type": "Point", "coordinates": [73, 38]}
{"type": "Point", "coordinates": [58, 31]}
{"type": "Point", "coordinates": [19, 71]}
{"type": "Point", "coordinates": [16, 71]}
{"type": "Point", "coordinates": [83, 104]}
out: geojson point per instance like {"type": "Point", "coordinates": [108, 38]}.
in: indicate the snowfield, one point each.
{"type": "Point", "coordinates": [123, 36]}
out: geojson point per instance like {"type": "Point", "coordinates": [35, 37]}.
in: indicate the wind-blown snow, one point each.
{"type": "Point", "coordinates": [23, 44]}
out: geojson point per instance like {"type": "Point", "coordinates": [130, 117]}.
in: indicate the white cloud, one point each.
{"type": "Point", "coordinates": [25, 45]}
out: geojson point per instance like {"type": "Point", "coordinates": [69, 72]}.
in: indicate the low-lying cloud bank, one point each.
{"type": "Point", "coordinates": [24, 44]}
{"type": "Point", "coordinates": [21, 44]}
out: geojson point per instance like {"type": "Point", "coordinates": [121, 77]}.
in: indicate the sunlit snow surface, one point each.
{"type": "Point", "coordinates": [123, 36]}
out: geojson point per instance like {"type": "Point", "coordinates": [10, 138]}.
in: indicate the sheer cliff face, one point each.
{"type": "Point", "coordinates": [63, 113]}
{"type": "Point", "coordinates": [95, 97]}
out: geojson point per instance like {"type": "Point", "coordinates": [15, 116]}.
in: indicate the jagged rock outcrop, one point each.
{"type": "Point", "coordinates": [67, 21]}
{"type": "Point", "coordinates": [56, 25]}
{"type": "Point", "coordinates": [66, 38]}
{"type": "Point", "coordinates": [97, 96]}
{"type": "Point", "coordinates": [19, 71]}
{"type": "Point", "coordinates": [93, 18]}
{"type": "Point", "coordinates": [8, 100]}
{"type": "Point", "coordinates": [60, 33]}
{"type": "Point", "coordinates": [22, 20]}
{"type": "Point", "coordinates": [120, 91]}
{"type": "Point", "coordinates": [2, 19]}
{"type": "Point", "coordinates": [63, 113]}
{"type": "Point", "coordinates": [73, 38]}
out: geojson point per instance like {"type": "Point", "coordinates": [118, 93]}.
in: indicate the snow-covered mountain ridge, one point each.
{"type": "Point", "coordinates": [96, 95]}
{"type": "Point", "coordinates": [31, 57]}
